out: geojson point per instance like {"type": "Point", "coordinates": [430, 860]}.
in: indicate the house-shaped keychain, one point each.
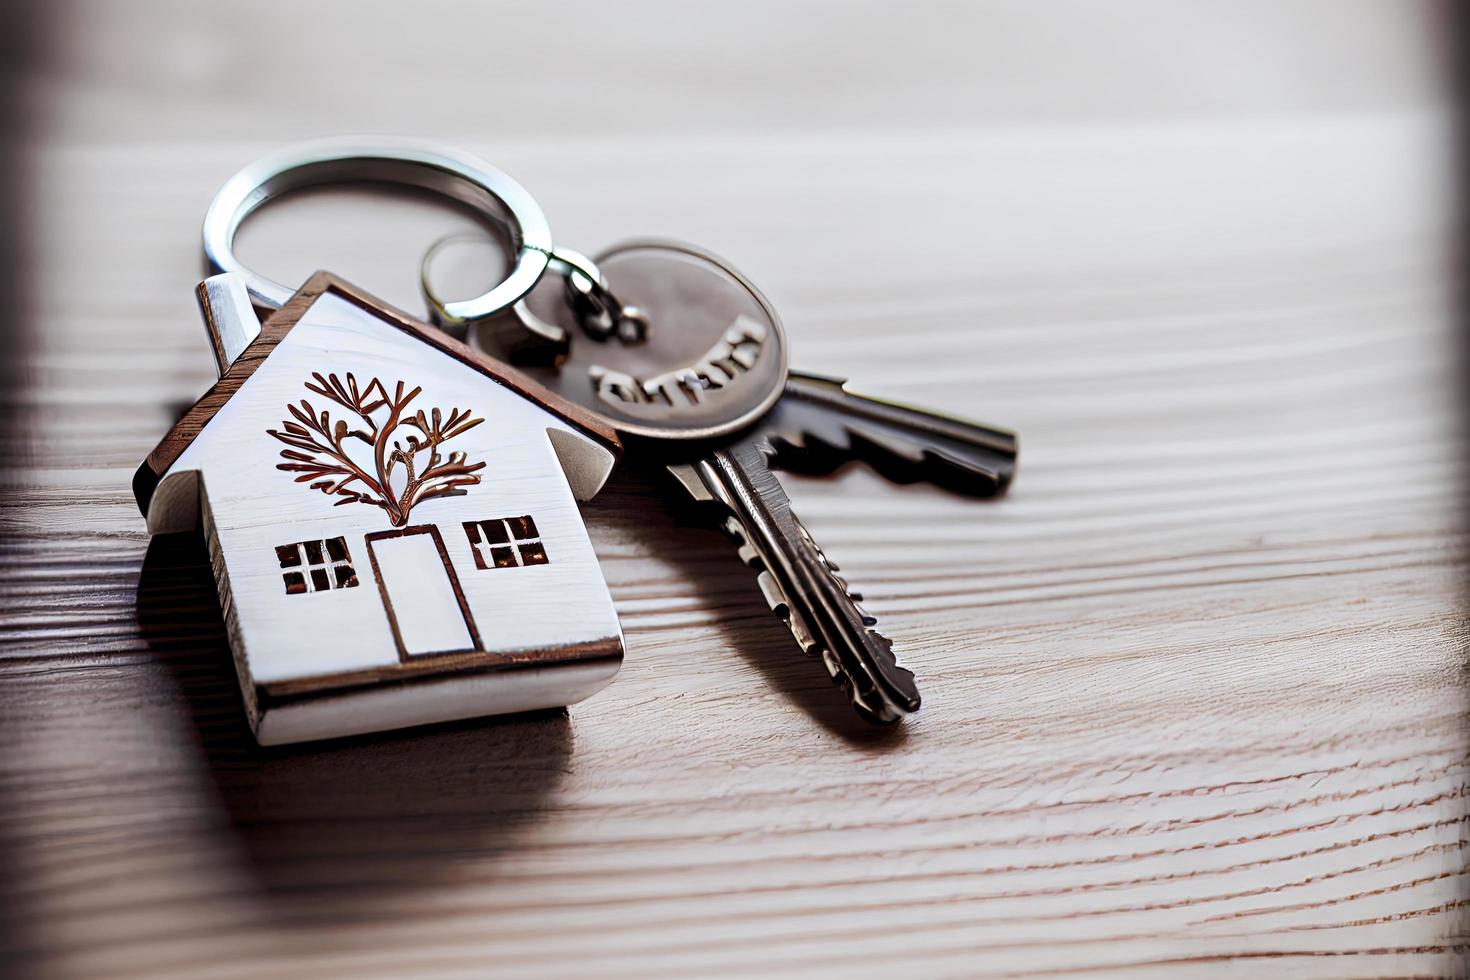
{"type": "Point", "coordinates": [391, 518]}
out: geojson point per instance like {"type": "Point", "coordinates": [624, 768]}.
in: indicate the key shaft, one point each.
{"type": "Point", "coordinates": [801, 585]}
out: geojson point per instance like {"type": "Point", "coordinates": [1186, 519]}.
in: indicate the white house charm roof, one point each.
{"type": "Point", "coordinates": [393, 524]}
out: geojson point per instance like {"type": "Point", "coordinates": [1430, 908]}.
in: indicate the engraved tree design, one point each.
{"type": "Point", "coordinates": [405, 469]}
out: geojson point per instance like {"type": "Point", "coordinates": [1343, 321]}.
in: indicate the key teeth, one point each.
{"type": "Point", "coordinates": [869, 620]}
{"type": "Point", "coordinates": [770, 588]}
{"type": "Point", "coordinates": [877, 687]}
{"type": "Point", "coordinates": [748, 555]}
{"type": "Point", "coordinates": [805, 640]}
{"type": "Point", "coordinates": [883, 712]}
{"type": "Point", "coordinates": [875, 708]}
{"type": "Point", "coordinates": [838, 675]}
{"type": "Point", "coordinates": [775, 598]}
{"type": "Point", "coordinates": [781, 606]}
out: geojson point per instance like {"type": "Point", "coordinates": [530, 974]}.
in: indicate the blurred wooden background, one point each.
{"type": "Point", "coordinates": [1195, 692]}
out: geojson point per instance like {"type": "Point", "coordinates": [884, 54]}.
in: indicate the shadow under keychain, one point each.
{"type": "Point", "coordinates": [391, 516]}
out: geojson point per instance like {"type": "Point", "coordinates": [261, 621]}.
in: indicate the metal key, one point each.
{"type": "Point", "coordinates": [819, 425]}
{"type": "Point", "coordinates": [707, 392]}
{"type": "Point", "coordinates": [816, 427]}
{"type": "Point", "coordinates": [797, 580]}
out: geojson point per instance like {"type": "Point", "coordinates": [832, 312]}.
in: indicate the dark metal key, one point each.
{"type": "Point", "coordinates": [819, 425]}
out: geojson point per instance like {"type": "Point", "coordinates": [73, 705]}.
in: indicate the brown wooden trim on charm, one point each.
{"type": "Point", "coordinates": [187, 429]}
{"type": "Point", "coordinates": [428, 669]}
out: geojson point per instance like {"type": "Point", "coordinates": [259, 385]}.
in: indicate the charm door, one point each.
{"type": "Point", "coordinates": [421, 593]}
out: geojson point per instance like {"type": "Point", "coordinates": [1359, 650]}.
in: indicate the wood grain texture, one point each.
{"type": "Point", "coordinates": [1195, 691]}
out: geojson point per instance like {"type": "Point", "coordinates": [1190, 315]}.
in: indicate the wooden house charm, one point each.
{"type": "Point", "coordinates": [391, 517]}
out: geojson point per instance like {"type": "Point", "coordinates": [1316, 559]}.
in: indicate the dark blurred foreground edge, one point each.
{"type": "Point", "coordinates": [1456, 22]}
{"type": "Point", "coordinates": [17, 45]}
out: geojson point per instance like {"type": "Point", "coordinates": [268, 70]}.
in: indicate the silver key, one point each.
{"type": "Point", "coordinates": [825, 619]}
{"type": "Point", "coordinates": [712, 364]}
{"type": "Point", "coordinates": [817, 426]}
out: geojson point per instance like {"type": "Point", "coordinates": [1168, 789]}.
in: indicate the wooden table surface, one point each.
{"type": "Point", "coordinates": [1195, 691]}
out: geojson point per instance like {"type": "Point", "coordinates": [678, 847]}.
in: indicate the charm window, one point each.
{"type": "Point", "coordinates": [505, 542]}
{"type": "Point", "coordinates": [316, 566]}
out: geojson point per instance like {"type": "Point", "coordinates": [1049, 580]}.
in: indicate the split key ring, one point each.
{"type": "Point", "coordinates": [460, 176]}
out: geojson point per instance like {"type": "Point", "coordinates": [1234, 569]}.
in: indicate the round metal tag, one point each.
{"type": "Point", "coordinates": [713, 361]}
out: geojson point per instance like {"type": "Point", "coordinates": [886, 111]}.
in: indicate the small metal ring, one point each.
{"type": "Point", "coordinates": [599, 312]}
{"type": "Point", "coordinates": [457, 175]}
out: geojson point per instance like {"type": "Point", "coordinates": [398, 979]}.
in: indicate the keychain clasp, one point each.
{"type": "Point", "coordinates": [519, 333]}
